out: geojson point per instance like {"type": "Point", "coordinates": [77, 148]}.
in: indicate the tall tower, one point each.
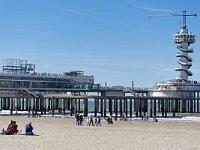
{"type": "Point", "coordinates": [184, 39]}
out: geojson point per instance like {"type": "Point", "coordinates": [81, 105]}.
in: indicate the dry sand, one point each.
{"type": "Point", "coordinates": [61, 134]}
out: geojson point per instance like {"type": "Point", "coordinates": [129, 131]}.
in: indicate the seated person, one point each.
{"type": "Point", "coordinates": [29, 129]}
{"type": "Point", "coordinates": [11, 129]}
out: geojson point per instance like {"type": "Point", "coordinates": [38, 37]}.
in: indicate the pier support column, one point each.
{"type": "Point", "coordinates": [0, 104]}
{"type": "Point", "coordinates": [154, 111]}
{"type": "Point", "coordinates": [120, 107]}
{"type": "Point", "coordinates": [140, 107]}
{"type": "Point", "coordinates": [151, 105]}
{"type": "Point", "coordinates": [7, 103]}
{"type": "Point", "coordinates": [114, 101]}
{"type": "Point", "coordinates": [105, 107]}
{"type": "Point", "coordinates": [162, 107]}
{"type": "Point", "coordinates": [11, 105]}
{"type": "Point", "coordinates": [68, 104]}
{"type": "Point", "coordinates": [53, 106]}
{"type": "Point", "coordinates": [191, 106]}
{"type": "Point", "coordinates": [72, 107]}
{"type": "Point", "coordinates": [85, 107]}
{"type": "Point", "coordinates": [126, 107]}
{"type": "Point", "coordinates": [174, 106]}
{"type": "Point", "coordinates": [159, 110]}
{"type": "Point", "coordinates": [64, 106]}
{"type": "Point", "coordinates": [79, 105]}
{"type": "Point", "coordinates": [130, 111]}
{"type": "Point", "coordinates": [166, 107]}
{"type": "Point", "coordinates": [197, 102]}
{"type": "Point", "coordinates": [29, 106]}
{"type": "Point", "coordinates": [95, 107]}
{"type": "Point", "coordinates": [136, 107]}
{"type": "Point", "coordinates": [110, 106]}
{"type": "Point", "coordinates": [183, 105]}
{"type": "Point", "coordinates": [101, 107]}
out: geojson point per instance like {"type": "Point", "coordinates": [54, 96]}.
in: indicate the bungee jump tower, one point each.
{"type": "Point", "coordinates": [181, 86]}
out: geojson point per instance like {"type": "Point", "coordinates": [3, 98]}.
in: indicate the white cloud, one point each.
{"type": "Point", "coordinates": [74, 12]}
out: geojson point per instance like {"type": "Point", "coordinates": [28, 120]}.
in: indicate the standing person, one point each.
{"type": "Point", "coordinates": [88, 121]}
{"type": "Point", "coordinates": [81, 119]}
{"type": "Point", "coordinates": [91, 120]}
{"type": "Point", "coordinates": [29, 128]}
{"type": "Point", "coordinates": [77, 119]}
{"type": "Point", "coordinates": [95, 121]}
{"type": "Point", "coordinates": [98, 121]}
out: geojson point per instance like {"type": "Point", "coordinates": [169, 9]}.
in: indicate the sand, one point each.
{"type": "Point", "coordinates": [61, 134]}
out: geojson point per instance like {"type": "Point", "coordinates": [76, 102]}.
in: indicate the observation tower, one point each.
{"type": "Point", "coordinates": [181, 86]}
{"type": "Point", "coordinates": [184, 39]}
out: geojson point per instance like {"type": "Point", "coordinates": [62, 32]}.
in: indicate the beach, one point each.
{"type": "Point", "coordinates": [62, 133]}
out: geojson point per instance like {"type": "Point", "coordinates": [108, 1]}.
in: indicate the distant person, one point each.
{"type": "Point", "coordinates": [109, 120]}
{"type": "Point", "coordinates": [98, 121]}
{"type": "Point", "coordinates": [11, 129]}
{"type": "Point", "coordinates": [29, 128]}
{"type": "Point", "coordinates": [81, 119]}
{"type": "Point", "coordinates": [77, 119]}
{"type": "Point", "coordinates": [88, 121]}
{"type": "Point", "coordinates": [91, 120]}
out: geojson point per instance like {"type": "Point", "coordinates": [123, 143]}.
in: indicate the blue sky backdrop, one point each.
{"type": "Point", "coordinates": [111, 39]}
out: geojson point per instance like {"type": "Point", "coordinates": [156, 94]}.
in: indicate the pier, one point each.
{"type": "Point", "coordinates": [106, 102]}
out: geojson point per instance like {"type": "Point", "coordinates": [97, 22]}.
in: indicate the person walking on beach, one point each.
{"type": "Point", "coordinates": [98, 121]}
{"type": "Point", "coordinates": [81, 120]}
{"type": "Point", "coordinates": [88, 121]}
{"type": "Point", "coordinates": [91, 120]}
{"type": "Point", "coordinates": [77, 119]}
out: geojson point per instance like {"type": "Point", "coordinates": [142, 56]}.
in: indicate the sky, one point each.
{"type": "Point", "coordinates": [113, 40]}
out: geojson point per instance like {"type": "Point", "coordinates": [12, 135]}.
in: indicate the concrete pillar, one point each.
{"type": "Point", "coordinates": [7, 103]}
{"type": "Point", "coordinates": [174, 106]}
{"type": "Point", "coordinates": [29, 106]}
{"type": "Point", "coordinates": [169, 105]}
{"type": "Point", "coordinates": [140, 107]}
{"type": "Point", "coordinates": [95, 107]}
{"type": "Point", "coordinates": [166, 107]}
{"type": "Point", "coordinates": [136, 107]}
{"type": "Point", "coordinates": [162, 107]}
{"type": "Point", "coordinates": [0, 104]}
{"type": "Point", "coordinates": [191, 106]}
{"type": "Point", "coordinates": [159, 110]}
{"type": "Point", "coordinates": [151, 105]}
{"type": "Point", "coordinates": [104, 107]}
{"type": "Point", "coordinates": [72, 107]}
{"type": "Point", "coordinates": [79, 105]}
{"type": "Point", "coordinates": [120, 107]}
{"type": "Point", "coordinates": [194, 102]}
{"type": "Point", "coordinates": [126, 107]}
{"type": "Point", "coordinates": [154, 111]}
{"type": "Point", "coordinates": [64, 106]}
{"type": "Point", "coordinates": [11, 105]}
{"type": "Point", "coordinates": [101, 107]}
{"type": "Point", "coordinates": [85, 107]}
{"type": "Point", "coordinates": [183, 105]}
{"type": "Point", "coordinates": [53, 105]}
{"type": "Point", "coordinates": [131, 113]}
{"type": "Point", "coordinates": [68, 104]}
{"type": "Point", "coordinates": [197, 102]}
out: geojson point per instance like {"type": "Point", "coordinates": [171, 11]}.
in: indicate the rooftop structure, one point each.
{"type": "Point", "coordinates": [18, 73]}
